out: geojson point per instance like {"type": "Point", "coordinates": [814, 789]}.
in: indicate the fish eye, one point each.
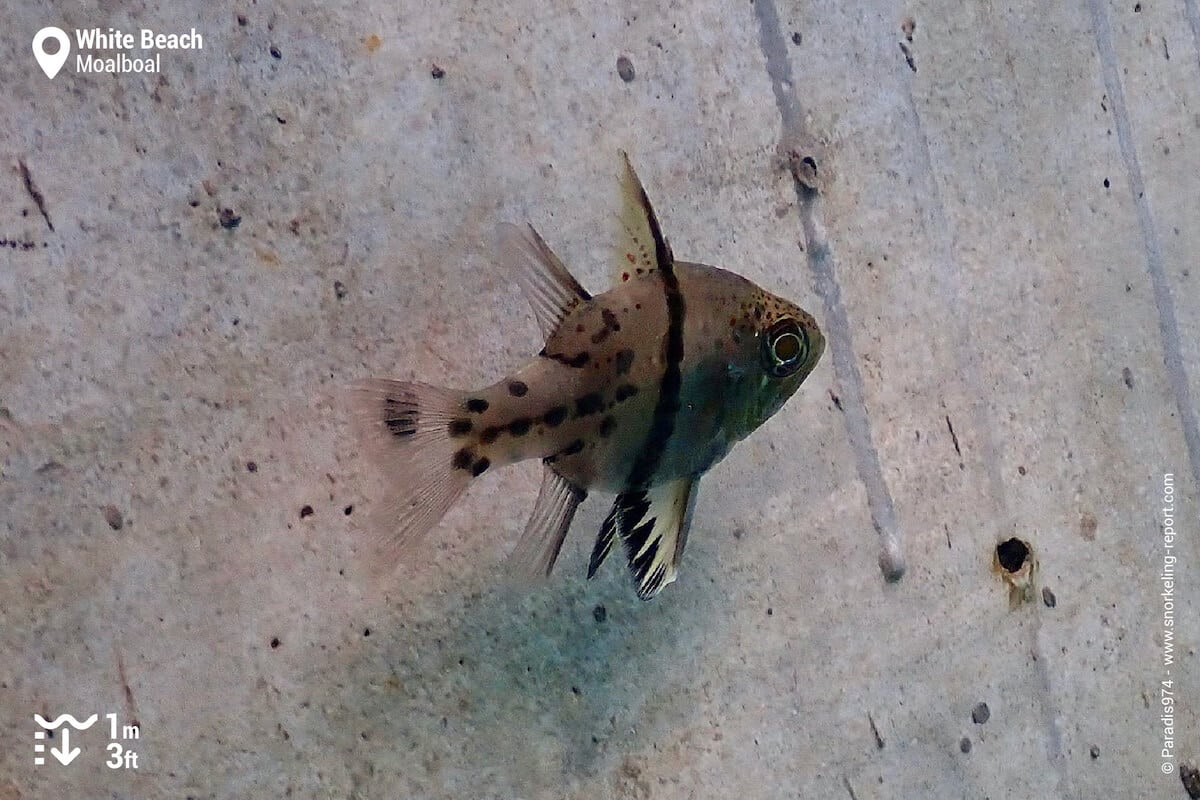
{"type": "Point", "coordinates": [786, 348]}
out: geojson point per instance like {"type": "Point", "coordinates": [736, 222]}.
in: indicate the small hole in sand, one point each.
{"type": "Point", "coordinates": [1011, 554]}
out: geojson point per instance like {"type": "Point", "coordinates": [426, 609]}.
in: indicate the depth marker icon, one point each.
{"type": "Point", "coordinates": [64, 753]}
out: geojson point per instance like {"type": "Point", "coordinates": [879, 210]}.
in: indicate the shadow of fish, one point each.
{"type": "Point", "coordinates": [638, 391]}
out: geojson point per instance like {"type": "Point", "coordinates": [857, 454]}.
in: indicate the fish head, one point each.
{"type": "Point", "coordinates": [789, 346]}
{"type": "Point", "coordinates": [778, 345]}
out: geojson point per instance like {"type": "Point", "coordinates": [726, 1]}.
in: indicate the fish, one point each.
{"type": "Point", "coordinates": [638, 391]}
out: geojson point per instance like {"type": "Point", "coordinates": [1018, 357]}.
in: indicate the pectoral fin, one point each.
{"type": "Point", "coordinates": [653, 526]}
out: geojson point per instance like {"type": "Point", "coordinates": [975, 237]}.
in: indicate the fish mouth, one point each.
{"type": "Point", "coordinates": [819, 344]}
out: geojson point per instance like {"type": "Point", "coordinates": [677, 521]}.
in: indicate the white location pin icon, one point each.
{"type": "Point", "coordinates": [51, 63]}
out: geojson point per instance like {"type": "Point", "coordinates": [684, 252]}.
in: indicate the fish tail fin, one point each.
{"type": "Point", "coordinates": [416, 436]}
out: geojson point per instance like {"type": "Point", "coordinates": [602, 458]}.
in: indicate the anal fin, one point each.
{"type": "Point", "coordinates": [538, 548]}
{"type": "Point", "coordinates": [653, 526]}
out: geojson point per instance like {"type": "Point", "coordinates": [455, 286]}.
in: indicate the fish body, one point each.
{"type": "Point", "coordinates": [638, 391]}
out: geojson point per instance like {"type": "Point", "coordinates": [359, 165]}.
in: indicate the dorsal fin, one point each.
{"type": "Point", "coordinates": [548, 286]}
{"type": "Point", "coordinates": [642, 247]}
{"type": "Point", "coordinates": [653, 525]}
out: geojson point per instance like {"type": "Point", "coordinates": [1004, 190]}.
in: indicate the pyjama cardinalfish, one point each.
{"type": "Point", "coordinates": [638, 391]}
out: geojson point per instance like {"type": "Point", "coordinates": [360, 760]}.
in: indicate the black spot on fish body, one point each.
{"type": "Point", "coordinates": [490, 434]}
{"type": "Point", "coordinates": [520, 426]}
{"type": "Point", "coordinates": [610, 320]}
{"type": "Point", "coordinates": [555, 416]}
{"type": "Point", "coordinates": [577, 361]}
{"type": "Point", "coordinates": [600, 335]}
{"type": "Point", "coordinates": [589, 404]}
{"type": "Point", "coordinates": [624, 361]}
{"type": "Point", "coordinates": [518, 388]}
{"type": "Point", "coordinates": [574, 448]}
{"type": "Point", "coordinates": [462, 459]}
{"type": "Point", "coordinates": [607, 426]}
{"type": "Point", "coordinates": [459, 427]}
{"type": "Point", "coordinates": [477, 405]}
{"type": "Point", "coordinates": [625, 391]}
{"type": "Point", "coordinates": [480, 467]}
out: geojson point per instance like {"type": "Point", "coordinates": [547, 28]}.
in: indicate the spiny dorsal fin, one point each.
{"type": "Point", "coordinates": [547, 284]}
{"type": "Point", "coordinates": [542, 540]}
{"type": "Point", "coordinates": [642, 247]}
{"type": "Point", "coordinates": [653, 525]}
